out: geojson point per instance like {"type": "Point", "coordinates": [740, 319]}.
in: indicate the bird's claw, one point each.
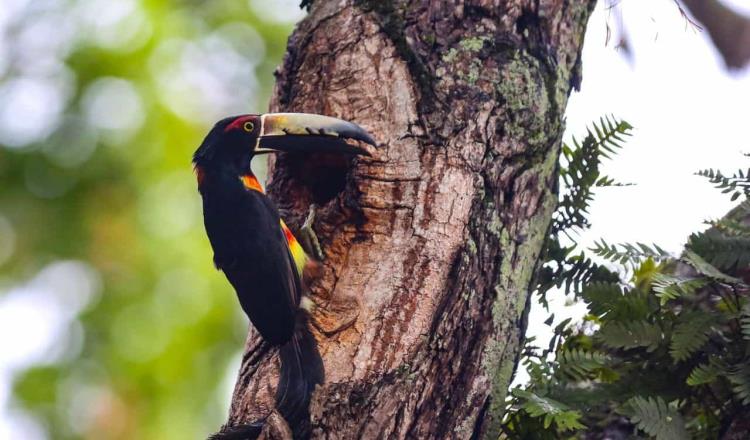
{"type": "Point", "coordinates": [308, 236]}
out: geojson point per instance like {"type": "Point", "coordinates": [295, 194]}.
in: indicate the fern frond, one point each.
{"type": "Point", "coordinates": [737, 184]}
{"type": "Point", "coordinates": [628, 253]}
{"type": "Point", "coordinates": [705, 268]}
{"type": "Point", "coordinates": [740, 380]}
{"type": "Point", "coordinates": [745, 322]}
{"type": "Point", "coordinates": [690, 333]}
{"type": "Point", "coordinates": [644, 272]}
{"type": "Point", "coordinates": [539, 370]}
{"type": "Point", "coordinates": [732, 225]}
{"type": "Point", "coordinates": [726, 252]}
{"type": "Point", "coordinates": [578, 364]}
{"type": "Point", "coordinates": [668, 287]}
{"type": "Point", "coordinates": [607, 299]}
{"type": "Point", "coordinates": [601, 297]}
{"type": "Point", "coordinates": [635, 305]}
{"type": "Point", "coordinates": [550, 410]}
{"type": "Point", "coordinates": [679, 328]}
{"type": "Point", "coordinates": [632, 334]}
{"type": "Point", "coordinates": [579, 171]}
{"type": "Point", "coordinates": [564, 269]}
{"type": "Point", "coordinates": [610, 133]}
{"type": "Point", "coordinates": [566, 421]}
{"type": "Point", "coordinates": [654, 417]}
{"type": "Point", "coordinates": [607, 182]}
{"type": "Point", "coordinates": [705, 373]}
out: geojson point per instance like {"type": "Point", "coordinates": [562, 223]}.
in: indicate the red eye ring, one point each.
{"type": "Point", "coordinates": [243, 122]}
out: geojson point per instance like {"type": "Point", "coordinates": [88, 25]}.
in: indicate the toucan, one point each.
{"type": "Point", "coordinates": [257, 252]}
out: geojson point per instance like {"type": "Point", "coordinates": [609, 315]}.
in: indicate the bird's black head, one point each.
{"type": "Point", "coordinates": [231, 142]}
{"type": "Point", "coordinates": [235, 140]}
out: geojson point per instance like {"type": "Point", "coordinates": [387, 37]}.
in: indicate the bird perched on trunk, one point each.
{"type": "Point", "coordinates": [257, 252]}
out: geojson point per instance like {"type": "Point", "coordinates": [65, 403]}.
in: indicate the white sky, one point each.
{"type": "Point", "coordinates": [688, 113]}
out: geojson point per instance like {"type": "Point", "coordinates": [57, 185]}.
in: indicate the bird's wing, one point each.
{"type": "Point", "coordinates": [266, 276]}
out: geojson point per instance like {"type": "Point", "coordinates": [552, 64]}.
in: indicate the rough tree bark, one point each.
{"type": "Point", "coordinates": [430, 245]}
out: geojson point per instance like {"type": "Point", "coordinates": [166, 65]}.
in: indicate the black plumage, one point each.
{"type": "Point", "coordinates": [252, 249]}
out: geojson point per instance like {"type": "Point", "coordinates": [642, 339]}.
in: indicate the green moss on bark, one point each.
{"type": "Point", "coordinates": [514, 285]}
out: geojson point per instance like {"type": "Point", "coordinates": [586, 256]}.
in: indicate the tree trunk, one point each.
{"type": "Point", "coordinates": [431, 244]}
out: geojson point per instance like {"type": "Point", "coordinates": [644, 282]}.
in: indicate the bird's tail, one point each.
{"type": "Point", "coordinates": [239, 432]}
{"type": "Point", "coordinates": [301, 370]}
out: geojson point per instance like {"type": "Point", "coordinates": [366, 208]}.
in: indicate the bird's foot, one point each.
{"type": "Point", "coordinates": [309, 238]}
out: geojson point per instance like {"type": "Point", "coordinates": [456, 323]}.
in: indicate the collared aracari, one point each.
{"type": "Point", "coordinates": [257, 252]}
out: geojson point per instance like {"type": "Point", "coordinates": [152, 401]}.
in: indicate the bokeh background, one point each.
{"type": "Point", "coordinates": [113, 323]}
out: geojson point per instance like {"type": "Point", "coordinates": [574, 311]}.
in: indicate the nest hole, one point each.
{"type": "Point", "coordinates": [317, 178]}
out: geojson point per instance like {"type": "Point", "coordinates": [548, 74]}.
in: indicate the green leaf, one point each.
{"type": "Point", "coordinates": [705, 373]}
{"type": "Point", "coordinates": [726, 251]}
{"type": "Point", "coordinates": [745, 321]}
{"type": "Point", "coordinates": [668, 287]}
{"type": "Point", "coordinates": [578, 364]}
{"type": "Point", "coordinates": [579, 172]}
{"type": "Point", "coordinates": [707, 269]}
{"type": "Point", "coordinates": [630, 335]}
{"type": "Point", "coordinates": [645, 272]}
{"type": "Point", "coordinates": [732, 226]}
{"type": "Point", "coordinates": [601, 297]}
{"type": "Point", "coordinates": [550, 410]}
{"type": "Point", "coordinates": [690, 333]}
{"type": "Point", "coordinates": [628, 253]}
{"type": "Point", "coordinates": [569, 421]}
{"type": "Point", "coordinates": [737, 184]}
{"type": "Point", "coordinates": [654, 417]}
{"type": "Point", "coordinates": [740, 380]}
{"type": "Point", "coordinates": [568, 270]}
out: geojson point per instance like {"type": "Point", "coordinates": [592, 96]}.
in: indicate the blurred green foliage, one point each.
{"type": "Point", "coordinates": [102, 105]}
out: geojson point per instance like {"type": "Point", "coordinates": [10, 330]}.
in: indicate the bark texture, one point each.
{"type": "Point", "coordinates": [432, 243]}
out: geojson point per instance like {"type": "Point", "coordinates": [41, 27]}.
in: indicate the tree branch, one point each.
{"type": "Point", "coordinates": [729, 31]}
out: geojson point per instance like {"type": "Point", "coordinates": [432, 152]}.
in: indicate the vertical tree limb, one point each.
{"type": "Point", "coordinates": [431, 245]}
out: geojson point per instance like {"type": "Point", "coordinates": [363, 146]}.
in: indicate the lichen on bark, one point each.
{"type": "Point", "coordinates": [431, 245]}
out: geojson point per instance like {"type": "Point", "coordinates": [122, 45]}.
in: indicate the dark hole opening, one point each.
{"type": "Point", "coordinates": [319, 178]}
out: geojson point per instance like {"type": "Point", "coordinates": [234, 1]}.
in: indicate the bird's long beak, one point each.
{"type": "Point", "coordinates": [304, 132]}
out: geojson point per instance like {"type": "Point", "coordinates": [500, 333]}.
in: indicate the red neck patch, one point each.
{"type": "Point", "coordinates": [199, 174]}
{"type": "Point", "coordinates": [251, 182]}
